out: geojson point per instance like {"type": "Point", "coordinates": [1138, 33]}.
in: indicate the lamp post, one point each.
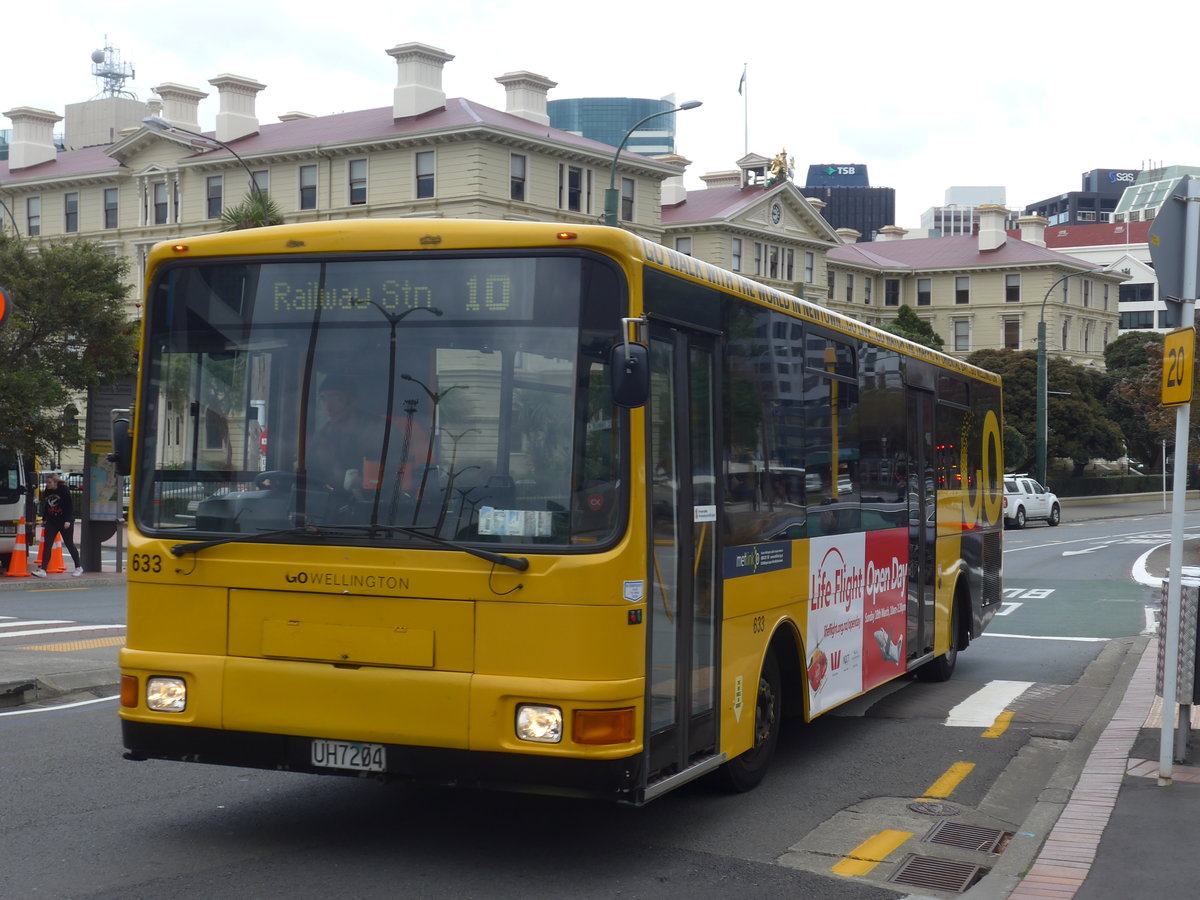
{"type": "Point", "coordinates": [159, 124]}
{"type": "Point", "coordinates": [1041, 373]}
{"type": "Point", "coordinates": [611, 196]}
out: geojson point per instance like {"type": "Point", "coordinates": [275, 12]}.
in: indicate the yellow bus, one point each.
{"type": "Point", "coordinates": [531, 507]}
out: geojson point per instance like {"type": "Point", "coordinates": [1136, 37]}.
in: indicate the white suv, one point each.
{"type": "Point", "coordinates": [1025, 499]}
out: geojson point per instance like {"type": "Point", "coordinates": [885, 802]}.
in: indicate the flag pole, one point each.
{"type": "Point", "coordinates": [744, 90]}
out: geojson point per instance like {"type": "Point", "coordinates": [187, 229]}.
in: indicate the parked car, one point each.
{"type": "Point", "coordinates": [1025, 499]}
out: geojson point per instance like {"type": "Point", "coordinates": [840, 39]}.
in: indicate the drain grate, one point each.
{"type": "Point", "coordinates": [937, 874]}
{"type": "Point", "coordinates": [964, 836]}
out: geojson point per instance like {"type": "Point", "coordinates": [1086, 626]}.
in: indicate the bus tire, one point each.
{"type": "Point", "coordinates": [942, 668]}
{"type": "Point", "coordinates": [745, 772]}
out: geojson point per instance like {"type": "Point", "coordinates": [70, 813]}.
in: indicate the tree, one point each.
{"type": "Point", "coordinates": [908, 324]}
{"type": "Point", "coordinates": [1134, 363]}
{"type": "Point", "coordinates": [67, 332]}
{"type": "Point", "coordinates": [1078, 426]}
{"type": "Point", "coordinates": [255, 211]}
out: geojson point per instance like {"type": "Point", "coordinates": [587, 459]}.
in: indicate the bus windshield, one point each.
{"type": "Point", "coordinates": [466, 397]}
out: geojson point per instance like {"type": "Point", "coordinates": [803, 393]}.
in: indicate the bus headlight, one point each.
{"type": "Point", "coordinates": [543, 724]}
{"type": "Point", "coordinates": [165, 694]}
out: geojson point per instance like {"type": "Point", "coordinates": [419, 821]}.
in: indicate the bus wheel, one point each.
{"type": "Point", "coordinates": [746, 771]}
{"type": "Point", "coordinates": [942, 668]}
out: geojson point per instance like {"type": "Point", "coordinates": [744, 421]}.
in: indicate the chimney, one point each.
{"type": "Point", "coordinates": [891, 233]}
{"type": "Point", "coordinates": [849, 235]}
{"type": "Point", "coordinates": [32, 138]}
{"type": "Point", "coordinates": [526, 93]}
{"type": "Point", "coordinates": [1033, 230]}
{"type": "Point", "coordinates": [295, 115]}
{"type": "Point", "coordinates": [992, 235]}
{"type": "Point", "coordinates": [816, 203]}
{"type": "Point", "coordinates": [181, 104]}
{"type": "Point", "coordinates": [418, 79]}
{"type": "Point", "coordinates": [236, 118]}
{"type": "Point", "coordinates": [728, 178]}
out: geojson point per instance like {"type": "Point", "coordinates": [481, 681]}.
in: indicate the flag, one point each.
{"type": "Point", "coordinates": [742, 83]}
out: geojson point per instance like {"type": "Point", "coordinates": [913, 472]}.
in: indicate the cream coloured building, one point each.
{"type": "Point", "coordinates": [422, 154]}
{"type": "Point", "coordinates": [984, 291]}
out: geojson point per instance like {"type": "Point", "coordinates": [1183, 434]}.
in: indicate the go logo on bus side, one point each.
{"type": "Point", "coordinates": [988, 498]}
{"type": "Point", "coordinates": [145, 562]}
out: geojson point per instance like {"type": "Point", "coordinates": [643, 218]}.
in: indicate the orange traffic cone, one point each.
{"type": "Point", "coordinates": [56, 560]}
{"type": "Point", "coordinates": [19, 565]}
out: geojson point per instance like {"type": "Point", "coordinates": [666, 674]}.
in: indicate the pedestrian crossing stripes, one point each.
{"type": "Point", "coordinates": [16, 630]}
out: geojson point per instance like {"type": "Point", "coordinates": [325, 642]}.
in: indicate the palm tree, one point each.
{"type": "Point", "coordinates": [255, 211]}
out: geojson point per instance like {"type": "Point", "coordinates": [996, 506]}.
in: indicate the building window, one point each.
{"type": "Point", "coordinates": [789, 264]}
{"type": "Point", "coordinates": [684, 245]}
{"type": "Point", "coordinates": [1066, 331]}
{"type": "Point", "coordinates": [71, 211]}
{"type": "Point", "coordinates": [262, 181]}
{"type": "Point", "coordinates": [358, 181]}
{"type": "Point", "coordinates": [160, 203]}
{"type": "Point", "coordinates": [627, 199]}
{"type": "Point", "coordinates": [809, 266]}
{"type": "Point", "coordinates": [832, 291]}
{"type": "Point", "coordinates": [868, 284]}
{"type": "Point", "coordinates": [1142, 318]}
{"type": "Point", "coordinates": [1135, 292]}
{"type": "Point", "coordinates": [1012, 334]}
{"type": "Point", "coordinates": [215, 188]}
{"type": "Point", "coordinates": [516, 176]}
{"type": "Point", "coordinates": [773, 262]}
{"type": "Point", "coordinates": [849, 287]}
{"type": "Point", "coordinates": [33, 215]}
{"type": "Point", "coordinates": [962, 289]}
{"type": "Point", "coordinates": [110, 207]}
{"type": "Point", "coordinates": [570, 188]}
{"type": "Point", "coordinates": [962, 335]}
{"type": "Point", "coordinates": [758, 258]}
{"type": "Point", "coordinates": [1012, 288]}
{"type": "Point", "coordinates": [1087, 337]}
{"type": "Point", "coordinates": [308, 187]}
{"type": "Point", "coordinates": [425, 172]}
{"type": "Point", "coordinates": [1087, 293]}
{"type": "Point", "coordinates": [924, 291]}
{"type": "Point", "coordinates": [1065, 283]}
{"type": "Point", "coordinates": [1106, 287]}
{"type": "Point", "coordinates": [891, 292]}
{"type": "Point", "coordinates": [735, 261]}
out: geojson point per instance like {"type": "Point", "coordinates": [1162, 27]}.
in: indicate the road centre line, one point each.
{"type": "Point", "coordinates": [46, 709]}
{"type": "Point", "coordinates": [1044, 637]}
{"type": "Point", "coordinates": [33, 631]}
{"type": "Point", "coordinates": [1107, 539]}
{"type": "Point", "coordinates": [982, 707]}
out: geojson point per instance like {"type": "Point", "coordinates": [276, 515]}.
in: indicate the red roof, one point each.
{"type": "Point", "coordinates": [946, 253]}
{"type": "Point", "coordinates": [711, 203]}
{"type": "Point", "coordinates": [343, 128]}
{"type": "Point", "coordinates": [1101, 234]}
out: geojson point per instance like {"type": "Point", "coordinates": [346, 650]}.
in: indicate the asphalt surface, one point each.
{"type": "Point", "coordinates": [1116, 831]}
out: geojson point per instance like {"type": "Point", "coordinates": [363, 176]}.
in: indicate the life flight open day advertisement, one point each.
{"type": "Point", "coordinates": [856, 613]}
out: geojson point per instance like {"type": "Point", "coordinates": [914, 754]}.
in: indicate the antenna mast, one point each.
{"type": "Point", "coordinates": [111, 72]}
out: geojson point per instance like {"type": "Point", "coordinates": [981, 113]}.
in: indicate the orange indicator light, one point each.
{"type": "Point", "coordinates": [603, 726]}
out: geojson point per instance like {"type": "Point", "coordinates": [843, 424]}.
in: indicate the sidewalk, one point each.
{"type": "Point", "coordinates": [1112, 832]}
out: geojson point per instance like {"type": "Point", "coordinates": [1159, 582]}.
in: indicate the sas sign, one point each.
{"type": "Point", "coordinates": [1122, 177]}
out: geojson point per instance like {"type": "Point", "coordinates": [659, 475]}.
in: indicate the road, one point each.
{"type": "Point", "coordinates": [81, 822]}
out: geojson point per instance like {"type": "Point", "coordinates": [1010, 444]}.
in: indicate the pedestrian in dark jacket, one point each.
{"type": "Point", "coordinates": [58, 518]}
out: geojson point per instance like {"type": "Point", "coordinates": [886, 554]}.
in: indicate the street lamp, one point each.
{"type": "Point", "coordinates": [158, 124]}
{"type": "Point", "coordinates": [611, 196]}
{"type": "Point", "coordinates": [1041, 373]}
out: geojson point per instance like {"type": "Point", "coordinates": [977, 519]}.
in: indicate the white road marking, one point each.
{"type": "Point", "coordinates": [32, 631]}
{"type": "Point", "coordinates": [46, 709]}
{"type": "Point", "coordinates": [982, 707]}
{"type": "Point", "coordinates": [1043, 637]}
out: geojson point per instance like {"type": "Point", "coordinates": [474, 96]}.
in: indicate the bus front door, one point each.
{"type": "Point", "coordinates": [683, 596]}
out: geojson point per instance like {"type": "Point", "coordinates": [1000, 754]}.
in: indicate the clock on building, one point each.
{"type": "Point", "coordinates": [776, 213]}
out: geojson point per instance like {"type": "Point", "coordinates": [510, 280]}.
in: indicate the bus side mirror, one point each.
{"type": "Point", "coordinates": [629, 365]}
{"type": "Point", "coordinates": [122, 441]}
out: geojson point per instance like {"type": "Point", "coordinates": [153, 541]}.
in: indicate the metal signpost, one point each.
{"type": "Point", "coordinates": [1175, 252]}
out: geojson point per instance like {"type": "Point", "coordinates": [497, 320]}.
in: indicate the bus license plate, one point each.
{"type": "Point", "coordinates": [8, 529]}
{"type": "Point", "coordinates": [349, 755]}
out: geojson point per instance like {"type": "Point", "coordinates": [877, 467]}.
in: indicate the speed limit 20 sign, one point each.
{"type": "Point", "coordinates": [1179, 352]}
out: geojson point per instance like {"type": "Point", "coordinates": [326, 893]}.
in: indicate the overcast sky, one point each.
{"type": "Point", "coordinates": [929, 94]}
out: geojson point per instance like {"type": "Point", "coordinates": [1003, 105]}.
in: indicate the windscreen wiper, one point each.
{"type": "Point", "coordinates": [299, 531]}
{"type": "Point", "coordinates": [519, 563]}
